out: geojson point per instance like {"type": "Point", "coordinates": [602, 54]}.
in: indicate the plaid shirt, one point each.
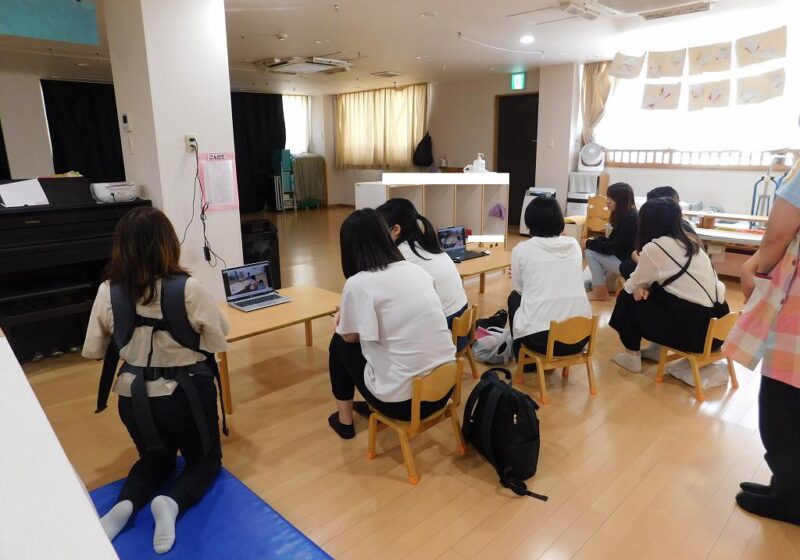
{"type": "Point", "coordinates": [769, 327]}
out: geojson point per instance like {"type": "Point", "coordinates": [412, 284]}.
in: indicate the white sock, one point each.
{"type": "Point", "coordinates": [652, 352]}
{"type": "Point", "coordinates": [117, 518]}
{"type": "Point", "coordinates": [165, 512]}
{"type": "Point", "coordinates": [631, 362]}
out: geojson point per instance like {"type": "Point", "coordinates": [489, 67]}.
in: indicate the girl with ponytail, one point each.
{"type": "Point", "coordinates": [418, 241]}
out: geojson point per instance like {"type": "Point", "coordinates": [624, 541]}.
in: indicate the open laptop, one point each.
{"type": "Point", "coordinates": [454, 241]}
{"type": "Point", "coordinates": [249, 287]}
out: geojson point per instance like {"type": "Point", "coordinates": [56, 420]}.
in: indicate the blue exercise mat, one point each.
{"type": "Point", "coordinates": [230, 522]}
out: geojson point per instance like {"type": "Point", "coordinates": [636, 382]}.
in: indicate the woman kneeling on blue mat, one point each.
{"type": "Point", "coordinates": [165, 326]}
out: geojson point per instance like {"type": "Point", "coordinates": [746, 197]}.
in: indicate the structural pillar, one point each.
{"type": "Point", "coordinates": [171, 79]}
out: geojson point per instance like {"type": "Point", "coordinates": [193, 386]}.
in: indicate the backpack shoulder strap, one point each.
{"type": "Point", "coordinates": [469, 407]}
{"type": "Point", "coordinates": [173, 309]}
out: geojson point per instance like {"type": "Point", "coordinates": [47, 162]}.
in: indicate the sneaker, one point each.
{"type": "Point", "coordinates": [652, 352]}
{"type": "Point", "coordinates": [630, 362]}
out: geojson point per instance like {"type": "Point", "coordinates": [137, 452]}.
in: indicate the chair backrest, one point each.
{"type": "Point", "coordinates": [718, 329]}
{"type": "Point", "coordinates": [435, 386]}
{"type": "Point", "coordinates": [572, 331]}
{"type": "Point", "coordinates": [597, 214]}
{"type": "Point", "coordinates": [464, 325]}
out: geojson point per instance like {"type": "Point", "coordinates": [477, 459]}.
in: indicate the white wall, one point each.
{"type": "Point", "coordinates": [557, 135]}
{"type": "Point", "coordinates": [461, 117]}
{"type": "Point", "coordinates": [24, 125]}
{"type": "Point", "coordinates": [730, 190]}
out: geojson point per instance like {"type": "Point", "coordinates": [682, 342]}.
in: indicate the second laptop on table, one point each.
{"type": "Point", "coordinates": [249, 287]}
{"type": "Point", "coordinates": [454, 241]}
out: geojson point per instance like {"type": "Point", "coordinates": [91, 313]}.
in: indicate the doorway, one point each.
{"type": "Point", "coordinates": [517, 118]}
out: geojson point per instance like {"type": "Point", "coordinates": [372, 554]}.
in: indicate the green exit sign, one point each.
{"type": "Point", "coordinates": [518, 81]}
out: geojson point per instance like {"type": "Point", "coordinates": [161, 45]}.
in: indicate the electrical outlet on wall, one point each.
{"type": "Point", "coordinates": [191, 143]}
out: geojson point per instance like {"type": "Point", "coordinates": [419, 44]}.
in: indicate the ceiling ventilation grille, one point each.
{"type": "Point", "coordinates": [299, 65]}
{"type": "Point", "coordinates": [385, 74]}
{"type": "Point", "coordinates": [694, 8]}
{"type": "Point", "coordinates": [651, 9]}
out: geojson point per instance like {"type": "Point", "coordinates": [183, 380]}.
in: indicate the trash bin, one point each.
{"type": "Point", "coordinates": [260, 243]}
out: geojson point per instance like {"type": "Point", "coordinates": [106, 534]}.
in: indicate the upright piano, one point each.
{"type": "Point", "coordinates": [51, 261]}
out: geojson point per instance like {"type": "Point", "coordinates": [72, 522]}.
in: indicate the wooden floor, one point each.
{"type": "Point", "coordinates": [638, 471]}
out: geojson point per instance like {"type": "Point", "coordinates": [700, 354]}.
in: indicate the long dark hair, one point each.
{"type": "Point", "coordinates": [415, 228]}
{"type": "Point", "coordinates": [366, 244]}
{"type": "Point", "coordinates": [662, 216]}
{"type": "Point", "coordinates": [146, 249]}
{"type": "Point", "coordinates": [622, 195]}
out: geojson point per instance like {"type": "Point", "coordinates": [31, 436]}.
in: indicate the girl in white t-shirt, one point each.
{"type": "Point", "coordinates": [416, 238]}
{"type": "Point", "coordinates": [390, 327]}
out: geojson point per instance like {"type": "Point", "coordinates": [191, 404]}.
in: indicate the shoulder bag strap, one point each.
{"type": "Point", "coordinates": [685, 270]}
{"type": "Point", "coordinates": [469, 407]}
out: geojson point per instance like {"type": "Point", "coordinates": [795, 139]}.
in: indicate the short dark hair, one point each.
{"type": "Point", "coordinates": [544, 218]}
{"type": "Point", "coordinates": [366, 243]}
{"type": "Point", "coordinates": [664, 192]}
{"type": "Point", "coordinates": [660, 217]}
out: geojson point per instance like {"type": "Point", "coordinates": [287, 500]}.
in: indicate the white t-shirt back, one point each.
{"type": "Point", "coordinates": [401, 326]}
{"type": "Point", "coordinates": [446, 280]}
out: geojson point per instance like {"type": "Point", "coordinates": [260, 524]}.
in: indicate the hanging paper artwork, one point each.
{"type": "Point", "coordinates": [661, 96]}
{"type": "Point", "coordinates": [762, 47]}
{"type": "Point", "coordinates": [666, 64]}
{"type": "Point", "coordinates": [757, 89]}
{"type": "Point", "coordinates": [709, 95]}
{"type": "Point", "coordinates": [626, 67]}
{"type": "Point", "coordinates": [710, 58]}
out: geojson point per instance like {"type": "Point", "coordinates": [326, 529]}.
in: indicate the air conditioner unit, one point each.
{"type": "Point", "coordinates": [654, 9]}
{"type": "Point", "coordinates": [694, 8]}
{"type": "Point", "coordinates": [580, 10]}
{"type": "Point", "coordinates": [299, 65]}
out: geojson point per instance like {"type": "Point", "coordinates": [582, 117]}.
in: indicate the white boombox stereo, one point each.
{"type": "Point", "coordinates": [114, 192]}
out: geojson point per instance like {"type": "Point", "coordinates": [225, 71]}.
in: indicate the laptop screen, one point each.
{"type": "Point", "coordinates": [248, 280]}
{"type": "Point", "coordinates": [453, 238]}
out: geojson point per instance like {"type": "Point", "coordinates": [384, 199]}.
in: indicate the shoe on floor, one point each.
{"type": "Point", "coordinates": [344, 431]}
{"type": "Point", "coordinates": [629, 361]}
{"type": "Point", "coordinates": [755, 488]}
{"type": "Point", "coordinates": [765, 506]}
{"type": "Point", "coordinates": [362, 408]}
{"type": "Point", "coordinates": [652, 352]}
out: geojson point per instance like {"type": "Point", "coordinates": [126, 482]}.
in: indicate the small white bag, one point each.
{"type": "Point", "coordinates": [495, 348]}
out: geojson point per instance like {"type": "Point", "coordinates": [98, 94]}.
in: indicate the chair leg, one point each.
{"type": "Point", "coordinates": [462, 446]}
{"type": "Point", "coordinates": [472, 365]}
{"type": "Point", "coordinates": [590, 372]}
{"type": "Point", "coordinates": [519, 377]}
{"type": "Point", "coordinates": [732, 374]}
{"type": "Point", "coordinates": [373, 436]}
{"type": "Point", "coordinates": [662, 364]}
{"type": "Point", "coordinates": [565, 371]}
{"type": "Point", "coordinates": [542, 381]}
{"type": "Point", "coordinates": [408, 457]}
{"type": "Point", "coordinates": [698, 381]}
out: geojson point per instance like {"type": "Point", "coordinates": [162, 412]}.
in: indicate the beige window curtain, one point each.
{"type": "Point", "coordinates": [380, 129]}
{"type": "Point", "coordinates": [597, 86]}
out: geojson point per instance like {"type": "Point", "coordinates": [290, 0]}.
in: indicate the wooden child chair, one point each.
{"type": "Point", "coordinates": [597, 216]}
{"type": "Point", "coordinates": [570, 331]}
{"type": "Point", "coordinates": [430, 387]}
{"type": "Point", "coordinates": [718, 329]}
{"type": "Point", "coordinates": [464, 326]}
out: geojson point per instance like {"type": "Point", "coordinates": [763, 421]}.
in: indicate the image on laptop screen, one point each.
{"type": "Point", "coordinates": [250, 279]}
{"type": "Point", "coordinates": [452, 238]}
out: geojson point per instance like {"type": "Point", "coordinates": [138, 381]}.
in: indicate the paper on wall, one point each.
{"type": "Point", "coordinates": [757, 89]}
{"type": "Point", "coordinates": [23, 193]}
{"type": "Point", "coordinates": [218, 181]}
{"type": "Point", "coordinates": [668, 64]}
{"type": "Point", "coordinates": [661, 96]}
{"type": "Point", "coordinates": [709, 95]}
{"type": "Point", "coordinates": [710, 58]}
{"type": "Point", "coordinates": [626, 67]}
{"type": "Point", "coordinates": [762, 47]}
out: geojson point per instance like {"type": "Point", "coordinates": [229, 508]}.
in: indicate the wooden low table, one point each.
{"type": "Point", "coordinates": [499, 259]}
{"type": "Point", "coordinates": [308, 303]}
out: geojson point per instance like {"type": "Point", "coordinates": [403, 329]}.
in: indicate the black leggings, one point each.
{"type": "Point", "coordinates": [779, 422]}
{"type": "Point", "coordinates": [347, 374]}
{"type": "Point", "coordinates": [538, 341]}
{"type": "Point", "coordinates": [178, 431]}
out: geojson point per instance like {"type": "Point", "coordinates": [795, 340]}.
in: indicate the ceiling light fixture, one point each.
{"type": "Point", "coordinates": [421, 57]}
{"type": "Point", "coordinates": [82, 64]}
{"type": "Point", "coordinates": [281, 36]}
{"type": "Point", "coordinates": [322, 42]}
{"type": "Point", "coordinates": [526, 39]}
{"type": "Point", "coordinates": [428, 15]}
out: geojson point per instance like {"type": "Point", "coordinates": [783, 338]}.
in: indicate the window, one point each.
{"type": "Point", "coordinates": [295, 115]}
{"type": "Point", "coordinates": [380, 129]}
{"type": "Point", "coordinates": [747, 130]}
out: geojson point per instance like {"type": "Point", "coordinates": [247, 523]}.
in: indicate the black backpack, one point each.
{"type": "Point", "coordinates": [423, 155]}
{"type": "Point", "coordinates": [501, 423]}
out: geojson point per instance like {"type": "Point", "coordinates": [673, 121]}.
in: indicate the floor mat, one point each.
{"type": "Point", "coordinates": [230, 522]}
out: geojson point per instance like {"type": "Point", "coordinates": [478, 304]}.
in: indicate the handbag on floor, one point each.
{"type": "Point", "coordinates": [501, 424]}
{"type": "Point", "coordinates": [498, 320]}
{"type": "Point", "coordinates": [495, 347]}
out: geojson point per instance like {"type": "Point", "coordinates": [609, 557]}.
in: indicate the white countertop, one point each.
{"type": "Point", "coordinates": [726, 236]}
{"type": "Point", "coordinates": [445, 178]}
{"type": "Point", "coordinates": [45, 511]}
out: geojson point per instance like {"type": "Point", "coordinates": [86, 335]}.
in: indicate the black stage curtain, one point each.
{"type": "Point", "coordinates": [84, 130]}
{"type": "Point", "coordinates": [5, 172]}
{"type": "Point", "coordinates": [258, 130]}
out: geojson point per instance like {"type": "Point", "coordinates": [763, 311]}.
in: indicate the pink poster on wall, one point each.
{"type": "Point", "coordinates": [218, 181]}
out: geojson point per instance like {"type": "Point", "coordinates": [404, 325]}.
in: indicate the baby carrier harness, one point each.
{"type": "Point", "coordinates": [176, 322]}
